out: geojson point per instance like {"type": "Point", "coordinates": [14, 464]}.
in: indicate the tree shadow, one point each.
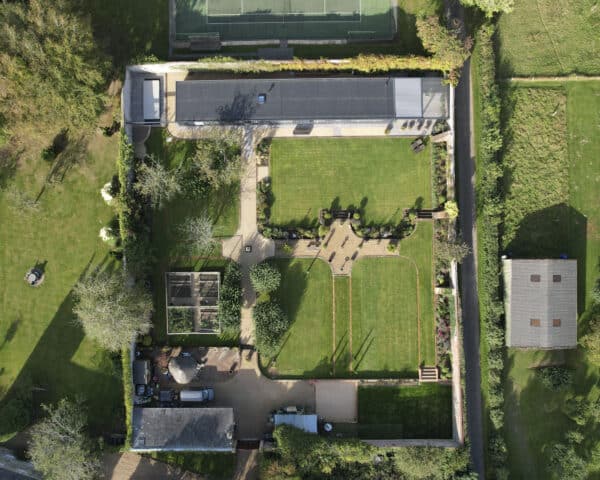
{"type": "Point", "coordinates": [11, 331]}
{"type": "Point", "coordinates": [552, 232]}
{"type": "Point", "coordinates": [50, 372]}
{"type": "Point", "coordinates": [242, 107]}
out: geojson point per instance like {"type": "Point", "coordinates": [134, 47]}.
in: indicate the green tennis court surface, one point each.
{"type": "Point", "coordinates": [284, 19]}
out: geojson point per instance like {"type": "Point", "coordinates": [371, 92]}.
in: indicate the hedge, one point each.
{"type": "Point", "coordinates": [490, 207]}
{"type": "Point", "coordinates": [127, 393]}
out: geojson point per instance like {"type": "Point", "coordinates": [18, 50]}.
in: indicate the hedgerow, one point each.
{"type": "Point", "coordinates": [490, 207]}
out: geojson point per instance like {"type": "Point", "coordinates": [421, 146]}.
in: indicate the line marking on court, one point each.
{"type": "Point", "coordinates": [333, 317]}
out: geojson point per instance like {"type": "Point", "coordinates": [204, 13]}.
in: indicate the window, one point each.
{"type": "Point", "coordinates": [556, 322]}
{"type": "Point", "coordinates": [534, 322]}
{"type": "Point", "coordinates": [556, 278]}
{"type": "Point", "coordinates": [262, 98]}
{"type": "Point", "coordinates": [535, 278]}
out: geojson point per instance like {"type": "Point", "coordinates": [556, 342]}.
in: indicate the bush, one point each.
{"type": "Point", "coordinates": [230, 301]}
{"type": "Point", "coordinates": [181, 320]}
{"type": "Point", "coordinates": [270, 324]}
{"type": "Point", "coordinates": [555, 378]}
{"type": "Point", "coordinates": [265, 277]}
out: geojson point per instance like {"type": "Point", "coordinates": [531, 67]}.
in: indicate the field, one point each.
{"type": "Point", "coordinates": [221, 206]}
{"type": "Point", "coordinates": [382, 177]}
{"type": "Point", "coordinates": [535, 417]}
{"type": "Point", "coordinates": [366, 325]}
{"type": "Point", "coordinates": [38, 341]}
{"type": "Point", "coordinates": [541, 38]}
{"type": "Point", "coordinates": [295, 19]}
{"type": "Point", "coordinates": [423, 411]}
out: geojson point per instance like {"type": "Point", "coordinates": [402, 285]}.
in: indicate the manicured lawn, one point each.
{"type": "Point", "coordinates": [384, 317]}
{"type": "Point", "coordinates": [305, 295]}
{"type": "Point", "coordinates": [381, 176]}
{"type": "Point", "coordinates": [540, 38]}
{"type": "Point", "coordinates": [222, 207]}
{"type": "Point", "coordinates": [38, 340]}
{"type": "Point", "coordinates": [342, 353]}
{"type": "Point", "coordinates": [212, 466]}
{"type": "Point", "coordinates": [534, 416]}
{"type": "Point", "coordinates": [423, 411]}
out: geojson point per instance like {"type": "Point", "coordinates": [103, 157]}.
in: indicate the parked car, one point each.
{"type": "Point", "coordinates": [201, 395]}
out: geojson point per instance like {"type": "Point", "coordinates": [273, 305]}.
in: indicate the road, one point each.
{"type": "Point", "coordinates": [465, 158]}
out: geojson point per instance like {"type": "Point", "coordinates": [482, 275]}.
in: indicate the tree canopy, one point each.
{"type": "Point", "coordinates": [111, 312]}
{"type": "Point", "coordinates": [197, 234]}
{"type": "Point", "coordinates": [271, 323]}
{"type": "Point", "coordinates": [219, 157]}
{"type": "Point", "coordinates": [156, 182]}
{"type": "Point", "coordinates": [59, 447]}
{"type": "Point", "coordinates": [445, 45]}
{"type": "Point", "coordinates": [489, 7]}
{"type": "Point", "coordinates": [265, 277]}
{"type": "Point", "coordinates": [52, 69]}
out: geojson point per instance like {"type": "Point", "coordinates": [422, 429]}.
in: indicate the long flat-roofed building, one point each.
{"type": "Point", "coordinates": [160, 95]}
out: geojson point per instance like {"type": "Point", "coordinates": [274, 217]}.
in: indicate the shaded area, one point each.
{"type": "Point", "coordinates": [423, 411]}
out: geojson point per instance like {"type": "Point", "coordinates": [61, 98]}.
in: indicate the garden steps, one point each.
{"type": "Point", "coordinates": [428, 374]}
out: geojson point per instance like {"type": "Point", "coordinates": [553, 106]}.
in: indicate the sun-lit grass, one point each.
{"type": "Point", "coordinates": [381, 176]}
{"type": "Point", "coordinates": [534, 417]}
{"type": "Point", "coordinates": [38, 339]}
{"type": "Point", "coordinates": [543, 37]}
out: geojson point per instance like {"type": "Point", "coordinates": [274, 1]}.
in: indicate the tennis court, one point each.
{"type": "Point", "coordinates": [247, 20]}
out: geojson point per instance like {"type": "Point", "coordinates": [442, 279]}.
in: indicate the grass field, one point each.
{"type": "Point", "coordinates": [535, 417]}
{"type": "Point", "coordinates": [38, 339]}
{"type": "Point", "coordinates": [380, 176]}
{"type": "Point", "coordinates": [423, 411]}
{"type": "Point", "coordinates": [305, 295]}
{"type": "Point", "coordinates": [295, 19]}
{"type": "Point", "coordinates": [541, 37]}
{"type": "Point", "coordinates": [222, 207]}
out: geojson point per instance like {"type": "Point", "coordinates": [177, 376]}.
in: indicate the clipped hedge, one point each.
{"type": "Point", "coordinates": [127, 393]}
{"type": "Point", "coordinates": [490, 208]}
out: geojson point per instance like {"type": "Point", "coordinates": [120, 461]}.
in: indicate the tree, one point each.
{"type": "Point", "coordinates": [59, 447]}
{"type": "Point", "coordinates": [451, 208]}
{"type": "Point", "coordinates": [270, 323]}
{"type": "Point", "coordinates": [555, 378]}
{"type": "Point", "coordinates": [490, 7]}
{"type": "Point", "coordinates": [197, 234]}
{"type": "Point", "coordinates": [566, 464]}
{"type": "Point", "coordinates": [447, 251]}
{"type": "Point", "coordinates": [110, 312]}
{"type": "Point", "coordinates": [219, 157]}
{"type": "Point", "coordinates": [591, 340]}
{"type": "Point", "coordinates": [265, 277]}
{"type": "Point", "coordinates": [156, 182]}
{"type": "Point", "coordinates": [52, 69]}
{"type": "Point", "coordinates": [444, 44]}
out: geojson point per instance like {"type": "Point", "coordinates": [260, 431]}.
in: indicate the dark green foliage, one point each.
{"type": "Point", "coordinates": [555, 378]}
{"type": "Point", "coordinates": [15, 411]}
{"type": "Point", "coordinates": [565, 464]}
{"type": "Point", "coordinates": [271, 323]}
{"type": "Point", "coordinates": [51, 67]}
{"type": "Point", "coordinates": [302, 455]}
{"type": "Point", "coordinates": [211, 465]}
{"type": "Point", "coordinates": [265, 277]}
{"type": "Point", "coordinates": [489, 209]}
{"type": "Point", "coordinates": [181, 320]}
{"type": "Point", "coordinates": [230, 301]}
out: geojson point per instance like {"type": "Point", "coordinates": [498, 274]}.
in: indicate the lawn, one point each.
{"type": "Point", "coordinates": [376, 332]}
{"type": "Point", "coordinates": [541, 37]}
{"type": "Point", "coordinates": [212, 466]}
{"type": "Point", "coordinates": [222, 207]}
{"type": "Point", "coordinates": [38, 339]}
{"type": "Point", "coordinates": [534, 416]}
{"type": "Point", "coordinates": [305, 295]}
{"type": "Point", "coordinates": [423, 411]}
{"type": "Point", "coordinates": [380, 176]}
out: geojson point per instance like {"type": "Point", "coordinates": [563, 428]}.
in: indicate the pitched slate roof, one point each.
{"type": "Point", "coordinates": [540, 303]}
{"type": "Point", "coordinates": [183, 429]}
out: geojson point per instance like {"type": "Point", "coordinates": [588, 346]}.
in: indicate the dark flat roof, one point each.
{"type": "Point", "coordinates": [183, 429]}
{"type": "Point", "coordinates": [343, 98]}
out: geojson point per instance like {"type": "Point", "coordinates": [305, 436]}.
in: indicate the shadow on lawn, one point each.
{"type": "Point", "coordinates": [536, 418]}
{"type": "Point", "coordinates": [551, 232]}
{"type": "Point", "coordinates": [50, 374]}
